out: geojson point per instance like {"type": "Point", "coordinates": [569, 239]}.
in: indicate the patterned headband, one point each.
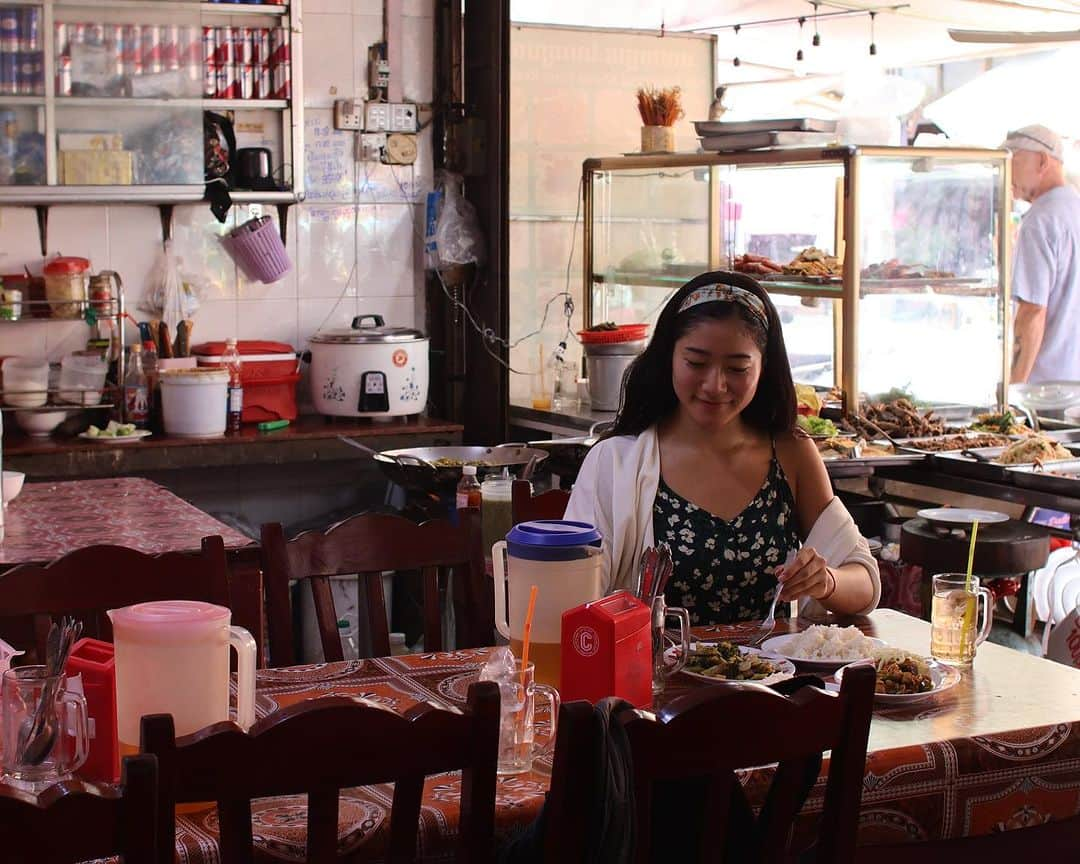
{"type": "Point", "coordinates": [727, 294]}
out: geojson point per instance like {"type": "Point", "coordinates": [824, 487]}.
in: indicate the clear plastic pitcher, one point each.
{"type": "Point", "coordinates": [172, 657]}
{"type": "Point", "coordinates": [562, 559]}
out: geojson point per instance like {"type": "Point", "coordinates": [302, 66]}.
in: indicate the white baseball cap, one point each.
{"type": "Point", "coordinates": [1036, 139]}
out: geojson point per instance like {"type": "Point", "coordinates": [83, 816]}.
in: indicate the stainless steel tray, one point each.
{"type": "Point", "coordinates": [912, 444]}
{"type": "Point", "coordinates": [1031, 477]}
{"type": "Point", "coordinates": [966, 466]}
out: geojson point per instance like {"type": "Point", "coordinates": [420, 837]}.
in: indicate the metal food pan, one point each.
{"type": "Point", "coordinates": [1031, 477]}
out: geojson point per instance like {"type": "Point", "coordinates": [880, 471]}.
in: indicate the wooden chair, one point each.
{"type": "Point", "coordinates": [547, 505]}
{"type": "Point", "coordinates": [700, 740]}
{"type": "Point", "coordinates": [320, 746]}
{"type": "Point", "coordinates": [89, 581]}
{"type": "Point", "coordinates": [367, 545]}
{"type": "Point", "coordinates": [74, 821]}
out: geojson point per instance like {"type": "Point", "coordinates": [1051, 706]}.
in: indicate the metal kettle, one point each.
{"type": "Point", "coordinates": [254, 168]}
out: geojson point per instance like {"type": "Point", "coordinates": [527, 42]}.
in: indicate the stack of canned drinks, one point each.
{"type": "Point", "coordinates": [131, 50]}
{"type": "Point", "coordinates": [22, 60]}
{"type": "Point", "coordinates": [246, 63]}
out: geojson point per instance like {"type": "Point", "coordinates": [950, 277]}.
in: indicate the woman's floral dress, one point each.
{"type": "Point", "coordinates": [724, 570]}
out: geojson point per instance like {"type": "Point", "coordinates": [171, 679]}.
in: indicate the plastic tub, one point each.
{"type": "Point", "coordinates": [82, 378]}
{"type": "Point", "coordinates": [193, 402]}
{"type": "Point", "coordinates": [26, 382]}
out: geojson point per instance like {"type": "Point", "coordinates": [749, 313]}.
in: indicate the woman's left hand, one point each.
{"type": "Point", "coordinates": [807, 575]}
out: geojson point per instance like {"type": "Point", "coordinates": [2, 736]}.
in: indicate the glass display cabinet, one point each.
{"type": "Point", "coordinates": [102, 100]}
{"type": "Point", "coordinates": [889, 266]}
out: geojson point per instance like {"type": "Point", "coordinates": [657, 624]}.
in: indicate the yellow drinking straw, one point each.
{"type": "Point", "coordinates": [968, 607]}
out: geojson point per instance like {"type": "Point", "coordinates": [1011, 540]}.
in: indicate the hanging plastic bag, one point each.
{"type": "Point", "coordinates": [452, 234]}
{"type": "Point", "coordinates": [171, 297]}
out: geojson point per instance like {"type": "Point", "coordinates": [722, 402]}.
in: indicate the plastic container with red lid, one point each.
{"type": "Point", "coordinates": [269, 372]}
{"type": "Point", "coordinates": [622, 333]}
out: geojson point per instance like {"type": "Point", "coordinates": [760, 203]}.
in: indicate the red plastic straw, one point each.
{"type": "Point", "coordinates": [528, 633]}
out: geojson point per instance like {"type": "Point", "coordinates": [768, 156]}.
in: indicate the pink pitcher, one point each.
{"type": "Point", "coordinates": [172, 657]}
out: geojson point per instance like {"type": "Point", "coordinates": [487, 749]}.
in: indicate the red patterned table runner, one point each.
{"type": "Point", "coordinates": [48, 520]}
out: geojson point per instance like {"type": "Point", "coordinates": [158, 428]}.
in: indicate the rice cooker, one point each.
{"type": "Point", "coordinates": [369, 370]}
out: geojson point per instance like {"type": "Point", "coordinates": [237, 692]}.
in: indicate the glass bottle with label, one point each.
{"type": "Point", "coordinates": [230, 359]}
{"type": "Point", "coordinates": [136, 390]}
{"type": "Point", "coordinates": [468, 489]}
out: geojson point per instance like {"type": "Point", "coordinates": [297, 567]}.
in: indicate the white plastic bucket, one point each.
{"type": "Point", "coordinates": [194, 401]}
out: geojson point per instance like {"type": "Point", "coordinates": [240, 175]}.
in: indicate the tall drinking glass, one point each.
{"type": "Point", "coordinates": [517, 721]}
{"type": "Point", "coordinates": [662, 668]}
{"type": "Point", "coordinates": [954, 616]}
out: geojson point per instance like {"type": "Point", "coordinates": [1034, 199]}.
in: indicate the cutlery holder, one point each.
{"type": "Point", "coordinates": [257, 249]}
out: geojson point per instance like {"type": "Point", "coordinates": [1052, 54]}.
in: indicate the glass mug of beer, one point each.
{"type": "Point", "coordinates": [953, 618]}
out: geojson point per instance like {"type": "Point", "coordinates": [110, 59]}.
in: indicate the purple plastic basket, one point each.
{"type": "Point", "coordinates": [257, 249]}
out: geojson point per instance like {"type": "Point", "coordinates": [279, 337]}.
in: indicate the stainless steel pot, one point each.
{"type": "Point", "coordinates": [606, 364]}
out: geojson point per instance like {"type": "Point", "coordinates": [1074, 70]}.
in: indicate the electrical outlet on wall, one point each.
{"type": "Point", "coordinates": [377, 117]}
{"type": "Point", "coordinates": [370, 146]}
{"type": "Point", "coordinates": [348, 114]}
{"type": "Point", "coordinates": [402, 117]}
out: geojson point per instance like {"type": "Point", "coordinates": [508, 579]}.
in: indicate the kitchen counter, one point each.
{"type": "Point", "coordinates": [557, 424]}
{"type": "Point", "coordinates": [310, 438]}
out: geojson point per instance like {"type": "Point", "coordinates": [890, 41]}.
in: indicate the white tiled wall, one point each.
{"type": "Point", "coordinates": [355, 249]}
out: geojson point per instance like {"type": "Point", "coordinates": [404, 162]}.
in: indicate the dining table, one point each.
{"type": "Point", "coordinates": [998, 751]}
{"type": "Point", "coordinates": [48, 520]}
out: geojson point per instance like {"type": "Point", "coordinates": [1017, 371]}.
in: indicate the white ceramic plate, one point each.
{"type": "Point", "coordinates": [784, 668]}
{"type": "Point", "coordinates": [779, 647]}
{"type": "Point", "coordinates": [961, 516]}
{"type": "Point", "coordinates": [137, 435]}
{"type": "Point", "coordinates": [943, 678]}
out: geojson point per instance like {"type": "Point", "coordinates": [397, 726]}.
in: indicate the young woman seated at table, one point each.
{"type": "Point", "coordinates": [705, 455]}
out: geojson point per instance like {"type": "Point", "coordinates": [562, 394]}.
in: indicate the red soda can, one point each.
{"type": "Point", "coordinates": [210, 70]}
{"type": "Point", "coordinates": [209, 45]}
{"type": "Point", "coordinates": [282, 81]}
{"type": "Point", "coordinates": [60, 39]}
{"type": "Point", "coordinates": [131, 54]}
{"type": "Point", "coordinates": [223, 45]}
{"type": "Point", "coordinates": [279, 46]}
{"type": "Point", "coordinates": [242, 46]}
{"type": "Point", "coordinates": [76, 35]}
{"type": "Point", "coordinates": [247, 81]}
{"type": "Point", "coordinates": [170, 47]}
{"type": "Point", "coordinates": [260, 45]}
{"type": "Point", "coordinates": [226, 82]}
{"type": "Point", "coordinates": [114, 49]}
{"type": "Point", "coordinates": [264, 81]}
{"type": "Point", "coordinates": [95, 34]}
{"type": "Point", "coordinates": [63, 76]}
{"type": "Point", "coordinates": [151, 48]}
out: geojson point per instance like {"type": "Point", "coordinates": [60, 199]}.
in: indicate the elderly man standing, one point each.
{"type": "Point", "coordinates": [1046, 266]}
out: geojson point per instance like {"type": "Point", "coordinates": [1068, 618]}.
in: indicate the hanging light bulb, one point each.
{"type": "Point", "coordinates": [799, 70]}
{"type": "Point", "coordinates": [736, 61]}
{"type": "Point", "coordinates": [873, 45]}
{"type": "Point", "coordinates": [816, 41]}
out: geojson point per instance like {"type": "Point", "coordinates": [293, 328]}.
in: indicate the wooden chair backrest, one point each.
{"type": "Point", "coordinates": [366, 545]}
{"type": "Point", "coordinates": [527, 507]}
{"type": "Point", "coordinates": [74, 821]}
{"type": "Point", "coordinates": [88, 582]}
{"type": "Point", "coordinates": [320, 746]}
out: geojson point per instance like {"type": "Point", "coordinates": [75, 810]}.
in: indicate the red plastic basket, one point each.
{"type": "Point", "coordinates": [622, 333]}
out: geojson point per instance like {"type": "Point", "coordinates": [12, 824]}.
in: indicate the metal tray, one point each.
{"type": "Point", "coordinates": [912, 444]}
{"type": "Point", "coordinates": [738, 127]}
{"type": "Point", "coordinates": [965, 466]}
{"type": "Point", "coordinates": [805, 280]}
{"type": "Point", "coordinates": [1064, 436]}
{"type": "Point", "coordinates": [1030, 477]}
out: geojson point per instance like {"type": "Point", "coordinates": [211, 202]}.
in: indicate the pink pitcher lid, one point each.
{"type": "Point", "coordinates": [169, 617]}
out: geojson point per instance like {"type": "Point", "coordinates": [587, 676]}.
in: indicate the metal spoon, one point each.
{"type": "Point", "coordinates": [40, 744]}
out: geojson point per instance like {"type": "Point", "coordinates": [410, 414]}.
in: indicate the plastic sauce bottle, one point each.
{"type": "Point", "coordinates": [230, 359]}
{"type": "Point", "coordinates": [468, 489]}
{"type": "Point", "coordinates": [136, 391]}
{"type": "Point", "coordinates": [149, 362]}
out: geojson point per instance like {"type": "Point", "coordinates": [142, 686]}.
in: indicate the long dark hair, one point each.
{"type": "Point", "coordinates": [648, 396]}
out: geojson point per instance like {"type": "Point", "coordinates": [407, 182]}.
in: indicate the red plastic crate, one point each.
{"type": "Point", "coordinates": [269, 399]}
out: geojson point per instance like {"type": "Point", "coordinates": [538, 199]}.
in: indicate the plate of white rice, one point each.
{"type": "Point", "coordinates": [823, 647]}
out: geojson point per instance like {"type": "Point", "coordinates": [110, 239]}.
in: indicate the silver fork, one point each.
{"type": "Point", "coordinates": [766, 626]}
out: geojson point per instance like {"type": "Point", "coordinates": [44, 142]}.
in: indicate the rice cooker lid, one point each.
{"type": "Point", "coordinates": [378, 332]}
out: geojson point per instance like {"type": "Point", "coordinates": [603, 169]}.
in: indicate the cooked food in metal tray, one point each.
{"type": "Point", "coordinates": [1036, 448]}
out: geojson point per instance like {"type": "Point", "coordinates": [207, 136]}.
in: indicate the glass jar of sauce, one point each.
{"type": "Point", "coordinates": [66, 282]}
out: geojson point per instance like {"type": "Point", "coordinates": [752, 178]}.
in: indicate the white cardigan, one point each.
{"type": "Point", "coordinates": [615, 490]}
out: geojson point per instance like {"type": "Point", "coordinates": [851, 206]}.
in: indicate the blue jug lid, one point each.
{"type": "Point", "coordinates": [553, 533]}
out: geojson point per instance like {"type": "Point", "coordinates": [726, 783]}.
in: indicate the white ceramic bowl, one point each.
{"type": "Point", "coordinates": [12, 485]}
{"type": "Point", "coordinates": [39, 424]}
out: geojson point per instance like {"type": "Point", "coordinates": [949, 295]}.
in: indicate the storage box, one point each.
{"type": "Point", "coordinates": [268, 372]}
{"type": "Point", "coordinates": [97, 167]}
{"type": "Point", "coordinates": [68, 141]}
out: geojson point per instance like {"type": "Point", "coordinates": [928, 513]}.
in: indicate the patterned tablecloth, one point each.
{"type": "Point", "coordinates": [48, 520]}
{"type": "Point", "coordinates": [952, 766]}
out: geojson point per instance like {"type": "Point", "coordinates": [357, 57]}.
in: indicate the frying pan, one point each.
{"type": "Point", "coordinates": [418, 468]}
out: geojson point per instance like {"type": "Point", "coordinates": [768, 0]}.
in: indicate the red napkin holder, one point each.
{"type": "Point", "coordinates": [94, 660]}
{"type": "Point", "coordinates": [607, 650]}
